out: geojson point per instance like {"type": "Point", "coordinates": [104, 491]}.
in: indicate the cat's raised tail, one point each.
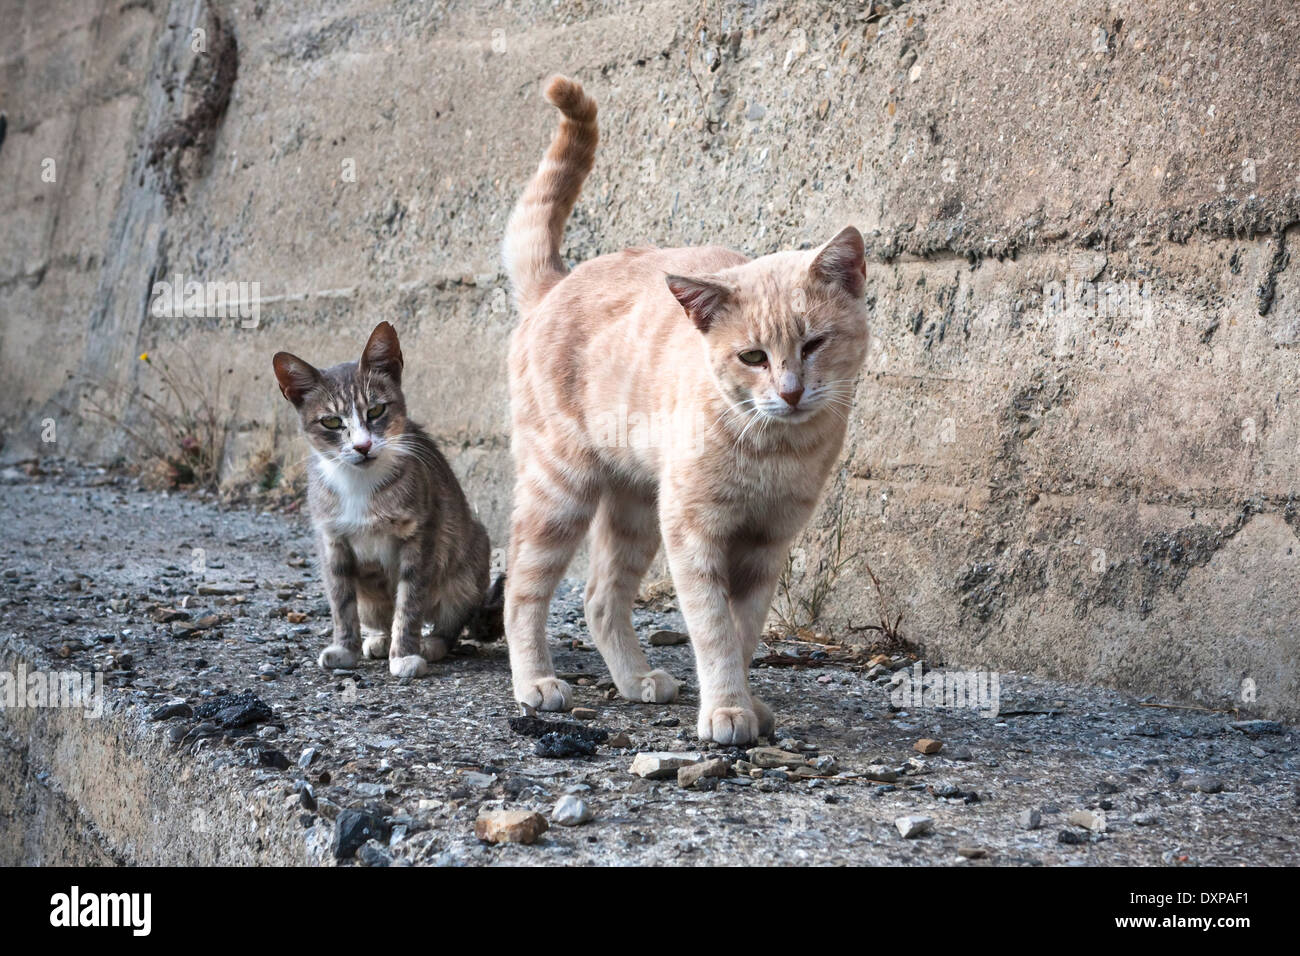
{"type": "Point", "coordinates": [532, 244]}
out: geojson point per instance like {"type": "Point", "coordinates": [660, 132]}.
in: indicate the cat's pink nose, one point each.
{"type": "Point", "coordinates": [361, 447]}
{"type": "Point", "coordinates": [792, 396]}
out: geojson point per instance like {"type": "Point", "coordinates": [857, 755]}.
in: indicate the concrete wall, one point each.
{"type": "Point", "coordinates": [1087, 484]}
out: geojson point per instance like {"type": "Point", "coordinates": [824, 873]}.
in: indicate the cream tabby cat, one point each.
{"type": "Point", "coordinates": [756, 359]}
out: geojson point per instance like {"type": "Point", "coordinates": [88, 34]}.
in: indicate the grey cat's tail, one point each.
{"type": "Point", "coordinates": [487, 623]}
{"type": "Point", "coordinates": [532, 244]}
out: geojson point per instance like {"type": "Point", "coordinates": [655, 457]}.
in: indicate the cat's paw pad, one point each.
{"type": "Point", "coordinates": [336, 655]}
{"type": "Point", "coordinates": [658, 687]}
{"type": "Point", "coordinates": [728, 725]}
{"type": "Point", "coordinates": [434, 648]}
{"type": "Point", "coordinates": [766, 719]}
{"type": "Point", "coordinates": [546, 693]}
{"type": "Point", "coordinates": [412, 665]}
{"type": "Point", "coordinates": [375, 646]}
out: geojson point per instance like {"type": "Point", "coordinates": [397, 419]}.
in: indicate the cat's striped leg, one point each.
{"type": "Point", "coordinates": [698, 561]}
{"type": "Point", "coordinates": [339, 566]}
{"type": "Point", "coordinates": [753, 570]}
{"type": "Point", "coordinates": [551, 514]}
{"type": "Point", "coordinates": [624, 539]}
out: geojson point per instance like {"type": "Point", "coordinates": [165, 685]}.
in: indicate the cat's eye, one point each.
{"type": "Point", "coordinates": [374, 411]}
{"type": "Point", "coordinates": [812, 345]}
{"type": "Point", "coordinates": [332, 421]}
{"type": "Point", "coordinates": [753, 357]}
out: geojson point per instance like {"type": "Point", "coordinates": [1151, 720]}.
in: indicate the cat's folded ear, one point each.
{"type": "Point", "coordinates": [701, 298]}
{"type": "Point", "coordinates": [295, 376]}
{"type": "Point", "coordinates": [843, 262]}
{"type": "Point", "coordinates": [383, 353]}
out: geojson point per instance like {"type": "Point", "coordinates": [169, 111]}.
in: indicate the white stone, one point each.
{"type": "Point", "coordinates": [570, 811]}
{"type": "Point", "coordinates": [661, 766]}
{"type": "Point", "coordinates": [912, 826]}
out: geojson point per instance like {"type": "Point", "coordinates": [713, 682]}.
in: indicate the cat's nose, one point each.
{"type": "Point", "coordinates": [792, 395]}
{"type": "Point", "coordinates": [363, 447]}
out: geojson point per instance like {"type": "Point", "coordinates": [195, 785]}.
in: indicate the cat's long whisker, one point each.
{"type": "Point", "coordinates": [738, 410]}
{"type": "Point", "coordinates": [755, 417]}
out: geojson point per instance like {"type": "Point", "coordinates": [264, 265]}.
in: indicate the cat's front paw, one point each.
{"type": "Point", "coordinates": [336, 655]}
{"type": "Point", "coordinates": [412, 665]}
{"type": "Point", "coordinates": [728, 725]}
{"type": "Point", "coordinates": [375, 646]}
{"type": "Point", "coordinates": [659, 687]}
{"type": "Point", "coordinates": [546, 693]}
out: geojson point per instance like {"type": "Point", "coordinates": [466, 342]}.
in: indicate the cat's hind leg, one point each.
{"type": "Point", "coordinates": [624, 539]}
{"type": "Point", "coordinates": [553, 507]}
{"type": "Point", "coordinates": [457, 597]}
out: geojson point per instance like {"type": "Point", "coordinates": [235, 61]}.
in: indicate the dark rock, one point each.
{"type": "Point", "coordinates": [235, 710]}
{"type": "Point", "coordinates": [1259, 727]}
{"type": "Point", "coordinates": [563, 745]}
{"type": "Point", "coordinates": [373, 854]}
{"type": "Point", "coordinates": [172, 711]}
{"type": "Point", "coordinates": [537, 727]}
{"type": "Point", "coordinates": [667, 638]}
{"type": "Point", "coordinates": [272, 758]}
{"type": "Point", "coordinates": [353, 828]}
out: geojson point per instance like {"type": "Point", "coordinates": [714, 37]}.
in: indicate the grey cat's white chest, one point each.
{"type": "Point", "coordinates": [375, 548]}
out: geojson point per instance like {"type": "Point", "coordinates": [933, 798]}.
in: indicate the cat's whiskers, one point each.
{"type": "Point", "coordinates": [405, 447]}
{"type": "Point", "coordinates": [730, 411]}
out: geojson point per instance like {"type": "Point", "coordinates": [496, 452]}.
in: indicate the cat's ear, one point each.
{"type": "Point", "coordinates": [382, 352]}
{"type": "Point", "coordinates": [295, 376]}
{"type": "Point", "coordinates": [843, 262]}
{"type": "Point", "coordinates": [701, 298]}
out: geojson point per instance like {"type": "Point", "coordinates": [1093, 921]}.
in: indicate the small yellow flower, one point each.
{"type": "Point", "coordinates": [144, 356]}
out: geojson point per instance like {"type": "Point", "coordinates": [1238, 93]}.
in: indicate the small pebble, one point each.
{"type": "Point", "coordinates": [571, 811]}
{"type": "Point", "coordinates": [1094, 820]}
{"type": "Point", "coordinates": [913, 826]}
{"type": "Point", "coordinates": [667, 638]}
{"type": "Point", "coordinates": [510, 826]}
{"type": "Point", "coordinates": [1203, 783]}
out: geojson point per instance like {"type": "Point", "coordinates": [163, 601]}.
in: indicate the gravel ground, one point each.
{"type": "Point", "coordinates": [99, 573]}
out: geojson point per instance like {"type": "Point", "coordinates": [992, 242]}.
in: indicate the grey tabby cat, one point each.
{"type": "Point", "coordinates": [397, 541]}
